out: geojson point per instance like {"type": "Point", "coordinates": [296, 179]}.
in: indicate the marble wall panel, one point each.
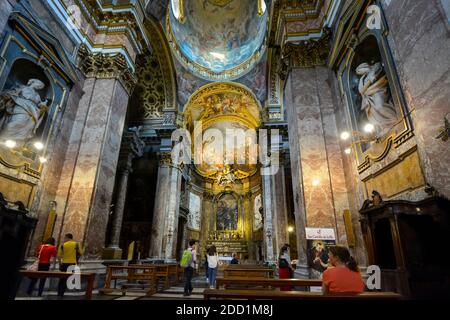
{"type": "Point", "coordinates": [420, 43]}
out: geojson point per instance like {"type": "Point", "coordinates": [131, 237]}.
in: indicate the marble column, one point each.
{"type": "Point", "coordinates": [114, 251]}
{"type": "Point", "coordinates": [268, 218]}
{"type": "Point", "coordinates": [279, 209]}
{"type": "Point", "coordinates": [167, 208]}
{"type": "Point", "coordinates": [94, 156]}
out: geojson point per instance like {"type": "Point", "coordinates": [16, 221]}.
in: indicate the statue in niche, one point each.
{"type": "Point", "coordinates": [376, 102]}
{"type": "Point", "coordinates": [22, 112]}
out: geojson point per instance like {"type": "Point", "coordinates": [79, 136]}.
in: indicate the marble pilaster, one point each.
{"type": "Point", "coordinates": [166, 213]}
{"type": "Point", "coordinates": [90, 193]}
{"type": "Point", "coordinates": [269, 233]}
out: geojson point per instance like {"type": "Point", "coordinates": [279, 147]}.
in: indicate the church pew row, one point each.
{"type": "Point", "coordinates": [145, 277]}
{"type": "Point", "coordinates": [246, 283]}
{"type": "Point", "coordinates": [89, 277]}
{"type": "Point", "coordinates": [220, 294]}
{"type": "Point", "coordinates": [248, 272]}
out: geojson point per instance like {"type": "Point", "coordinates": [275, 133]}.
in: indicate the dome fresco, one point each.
{"type": "Point", "coordinates": [218, 40]}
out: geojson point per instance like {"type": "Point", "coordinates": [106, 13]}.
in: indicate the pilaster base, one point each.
{"type": "Point", "coordinates": [112, 254]}
{"type": "Point", "coordinates": [302, 272]}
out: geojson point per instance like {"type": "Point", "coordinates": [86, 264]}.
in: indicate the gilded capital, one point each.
{"type": "Point", "coordinates": [104, 66]}
{"type": "Point", "coordinates": [305, 54]}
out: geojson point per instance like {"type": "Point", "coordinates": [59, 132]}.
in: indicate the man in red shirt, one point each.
{"type": "Point", "coordinates": [45, 253]}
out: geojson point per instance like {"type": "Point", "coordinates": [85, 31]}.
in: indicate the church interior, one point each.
{"type": "Point", "coordinates": [137, 127]}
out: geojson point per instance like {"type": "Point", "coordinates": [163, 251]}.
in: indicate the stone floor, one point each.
{"type": "Point", "coordinates": [173, 293]}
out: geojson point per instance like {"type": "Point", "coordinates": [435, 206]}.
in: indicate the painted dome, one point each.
{"type": "Point", "coordinates": [218, 39]}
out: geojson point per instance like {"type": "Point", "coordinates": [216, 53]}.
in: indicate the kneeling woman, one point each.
{"type": "Point", "coordinates": [343, 276]}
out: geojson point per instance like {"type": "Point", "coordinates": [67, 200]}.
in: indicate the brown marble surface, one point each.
{"type": "Point", "coordinates": [420, 43]}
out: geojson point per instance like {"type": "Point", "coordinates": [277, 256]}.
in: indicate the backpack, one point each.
{"type": "Point", "coordinates": [186, 259]}
{"type": "Point", "coordinates": [282, 263]}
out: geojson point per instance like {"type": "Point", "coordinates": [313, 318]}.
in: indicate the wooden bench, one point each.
{"type": "Point", "coordinates": [245, 283]}
{"type": "Point", "coordinates": [294, 295]}
{"type": "Point", "coordinates": [248, 272]}
{"type": "Point", "coordinates": [168, 273]}
{"type": "Point", "coordinates": [142, 276]}
{"type": "Point", "coordinates": [89, 277]}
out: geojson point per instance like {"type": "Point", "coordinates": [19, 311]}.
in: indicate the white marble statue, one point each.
{"type": "Point", "coordinates": [22, 112]}
{"type": "Point", "coordinates": [373, 87]}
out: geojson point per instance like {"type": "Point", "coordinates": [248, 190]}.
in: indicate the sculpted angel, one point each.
{"type": "Point", "coordinates": [22, 112]}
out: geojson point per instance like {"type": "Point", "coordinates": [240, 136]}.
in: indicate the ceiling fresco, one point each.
{"type": "Point", "coordinates": [218, 40]}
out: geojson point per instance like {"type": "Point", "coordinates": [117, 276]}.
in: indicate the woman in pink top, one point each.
{"type": "Point", "coordinates": [344, 276]}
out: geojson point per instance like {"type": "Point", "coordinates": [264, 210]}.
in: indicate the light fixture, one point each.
{"type": "Point", "coordinates": [369, 128]}
{"type": "Point", "coordinates": [42, 159]}
{"type": "Point", "coordinates": [217, 55]}
{"type": "Point", "coordinates": [316, 182]}
{"type": "Point", "coordinates": [291, 229]}
{"type": "Point", "coordinates": [38, 145]}
{"type": "Point", "coordinates": [261, 7]}
{"type": "Point", "coordinates": [348, 151]}
{"type": "Point", "coordinates": [345, 135]}
{"type": "Point", "coordinates": [10, 144]}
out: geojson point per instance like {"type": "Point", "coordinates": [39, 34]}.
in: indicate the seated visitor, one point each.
{"type": "Point", "coordinates": [343, 276]}
{"type": "Point", "coordinates": [234, 260]}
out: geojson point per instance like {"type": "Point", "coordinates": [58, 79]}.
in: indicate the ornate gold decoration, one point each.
{"type": "Point", "coordinates": [306, 54]}
{"type": "Point", "coordinates": [165, 158]}
{"type": "Point", "coordinates": [150, 87]}
{"type": "Point", "coordinates": [244, 109]}
{"type": "Point", "coordinates": [104, 66]}
{"type": "Point", "coordinates": [161, 51]}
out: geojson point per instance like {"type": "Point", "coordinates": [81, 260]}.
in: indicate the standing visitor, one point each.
{"type": "Point", "coordinates": [213, 262]}
{"type": "Point", "coordinates": [206, 265]}
{"type": "Point", "coordinates": [69, 254]}
{"type": "Point", "coordinates": [284, 266]}
{"type": "Point", "coordinates": [189, 262]}
{"type": "Point", "coordinates": [344, 276]}
{"type": "Point", "coordinates": [46, 252]}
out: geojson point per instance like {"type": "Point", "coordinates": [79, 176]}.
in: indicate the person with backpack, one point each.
{"type": "Point", "coordinates": [46, 252]}
{"type": "Point", "coordinates": [69, 254]}
{"type": "Point", "coordinates": [189, 262]}
{"type": "Point", "coordinates": [213, 261]}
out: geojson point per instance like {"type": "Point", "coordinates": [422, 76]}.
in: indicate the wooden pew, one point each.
{"type": "Point", "coordinates": [142, 276]}
{"type": "Point", "coordinates": [88, 276]}
{"type": "Point", "coordinates": [248, 272]}
{"type": "Point", "coordinates": [245, 283]}
{"type": "Point", "coordinates": [294, 295]}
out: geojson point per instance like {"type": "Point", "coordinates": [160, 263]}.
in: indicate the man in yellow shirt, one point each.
{"type": "Point", "coordinates": [68, 253]}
